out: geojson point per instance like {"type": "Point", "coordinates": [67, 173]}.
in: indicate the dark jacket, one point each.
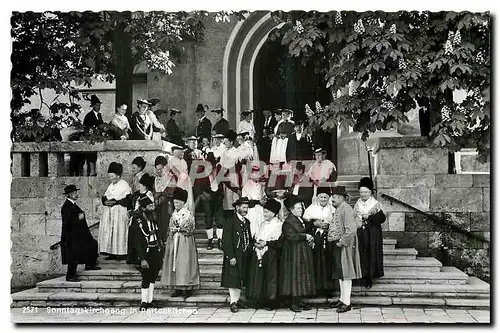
{"type": "Point", "coordinates": [221, 127]}
{"type": "Point", "coordinates": [235, 234]}
{"type": "Point", "coordinates": [174, 133]}
{"type": "Point", "coordinates": [204, 128]}
{"type": "Point", "coordinates": [77, 243]}
{"type": "Point", "coordinates": [298, 150]}
{"type": "Point", "coordinates": [139, 127]}
{"type": "Point", "coordinates": [91, 120]}
{"type": "Point", "coordinates": [138, 228]}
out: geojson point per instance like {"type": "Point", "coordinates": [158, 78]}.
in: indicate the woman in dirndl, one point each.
{"type": "Point", "coordinates": [371, 251]}
{"type": "Point", "coordinates": [113, 228]}
{"type": "Point", "coordinates": [254, 191]}
{"type": "Point", "coordinates": [263, 273]}
{"type": "Point", "coordinates": [181, 271]}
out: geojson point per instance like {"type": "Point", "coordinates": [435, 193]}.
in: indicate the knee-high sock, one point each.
{"type": "Point", "coordinates": [219, 233]}
{"type": "Point", "coordinates": [210, 233]}
{"type": "Point", "coordinates": [341, 285]}
{"type": "Point", "coordinates": [234, 295]}
{"type": "Point", "coordinates": [150, 292]}
{"type": "Point", "coordinates": [347, 291]}
{"type": "Point", "coordinates": [144, 295]}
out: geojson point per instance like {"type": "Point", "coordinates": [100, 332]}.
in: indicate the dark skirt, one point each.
{"type": "Point", "coordinates": [263, 280]}
{"type": "Point", "coordinates": [297, 277]}
{"type": "Point", "coordinates": [371, 252]}
{"type": "Point", "coordinates": [322, 263]}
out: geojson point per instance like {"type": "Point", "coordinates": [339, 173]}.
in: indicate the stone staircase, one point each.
{"type": "Point", "coordinates": [409, 281]}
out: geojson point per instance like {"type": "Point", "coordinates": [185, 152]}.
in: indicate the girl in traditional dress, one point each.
{"type": "Point", "coordinates": [180, 266]}
{"type": "Point", "coordinates": [254, 191]}
{"type": "Point", "coordinates": [164, 187]}
{"type": "Point", "coordinates": [369, 212]}
{"type": "Point", "coordinates": [120, 121]}
{"type": "Point", "coordinates": [264, 262]}
{"type": "Point", "coordinates": [229, 165]}
{"type": "Point", "coordinates": [319, 215]}
{"type": "Point", "coordinates": [297, 262]}
{"type": "Point", "coordinates": [113, 229]}
{"type": "Point", "coordinates": [179, 169]}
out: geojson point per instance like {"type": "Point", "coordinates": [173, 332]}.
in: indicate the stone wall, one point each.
{"type": "Point", "coordinates": [36, 204]}
{"type": "Point", "coordinates": [415, 172]}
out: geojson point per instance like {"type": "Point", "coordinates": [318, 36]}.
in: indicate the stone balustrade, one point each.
{"type": "Point", "coordinates": [51, 159]}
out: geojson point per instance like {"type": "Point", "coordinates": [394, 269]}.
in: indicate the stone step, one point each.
{"type": "Point", "coordinates": [32, 297]}
{"type": "Point", "coordinates": [388, 244]}
{"type": "Point", "coordinates": [417, 265]}
{"type": "Point", "coordinates": [447, 275]}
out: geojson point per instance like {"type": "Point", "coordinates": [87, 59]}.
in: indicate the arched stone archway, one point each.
{"type": "Point", "coordinates": [240, 54]}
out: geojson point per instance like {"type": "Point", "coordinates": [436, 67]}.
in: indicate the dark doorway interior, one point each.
{"type": "Point", "coordinates": [282, 82]}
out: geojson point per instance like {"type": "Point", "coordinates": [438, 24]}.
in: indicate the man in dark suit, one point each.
{"type": "Point", "coordinates": [221, 125]}
{"type": "Point", "coordinates": [173, 131]}
{"type": "Point", "coordinates": [237, 245]}
{"type": "Point", "coordinates": [204, 126]}
{"type": "Point", "coordinates": [298, 148]}
{"type": "Point", "coordinates": [77, 244]}
{"type": "Point", "coordinates": [302, 186]}
{"type": "Point", "coordinates": [269, 123]}
{"type": "Point", "coordinates": [92, 120]}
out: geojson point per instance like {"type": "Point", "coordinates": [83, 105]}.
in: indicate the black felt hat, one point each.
{"type": "Point", "coordinates": [147, 181]}
{"type": "Point", "coordinates": [241, 201]}
{"type": "Point", "coordinates": [180, 194]}
{"type": "Point", "coordinates": [339, 190]}
{"type": "Point", "coordinates": [153, 101]}
{"type": "Point", "coordinates": [366, 182]}
{"type": "Point", "coordinates": [139, 161]}
{"type": "Point", "coordinates": [323, 189]}
{"type": "Point", "coordinates": [231, 135]}
{"type": "Point", "coordinates": [70, 189]}
{"type": "Point", "coordinates": [200, 108]}
{"type": "Point", "coordinates": [273, 206]}
{"type": "Point", "coordinates": [161, 160]}
{"type": "Point", "coordinates": [291, 201]}
{"type": "Point", "coordinates": [115, 168]}
{"type": "Point", "coordinates": [94, 100]}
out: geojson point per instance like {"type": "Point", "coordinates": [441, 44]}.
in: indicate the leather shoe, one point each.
{"type": "Point", "coordinates": [219, 244]}
{"type": "Point", "coordinates": [305, 306]}
{"type": "Point", "coordinates": [144, 306]}
{"type": "Point", "coordinates": [241, 304]}
{"type": "Point", "coordinates": [295, 308]}
{"type": "Point", "coordinates": [92, 268]}
{"type": "Point", "coordinates": [335, 304]}
{"type": "Point", "coordinates": [71, 279]}
{"type": "Point", "coordinates": [210, 246]}
{"type": "Point", "coordinates": [233, 307]}
{"type": "Point", "coordinates": [344, 308]}
{"type": "Point", "coordinates": [176, 293]}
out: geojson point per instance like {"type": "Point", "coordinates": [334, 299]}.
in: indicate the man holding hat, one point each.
{"type": "Point", "coordinates": [221, 125]}
{"type": "Point", "coordinates": [237, 246]}
{"type": "Point", "coordinates": [204, 126]}
{"type": "Point", "coordinates": [173, 131]}
{"type": "Point", "coordinates": [77, 244]}
{"type": "Point", "coordinates": [92, 119]}
{"type": "Point", "coordinates": [141, 124]}
{"type": "Point", "coordinates": [343, 247]}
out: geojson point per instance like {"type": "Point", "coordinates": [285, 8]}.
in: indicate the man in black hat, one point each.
{"type": "Point", "coordinates": [204, 126]}
{"type": "Point", "coordinates": [140, 122]}
{"type": "Point", "coordinates": [298, 148]}
{"type": "Point", "coordinates": [173, 131]}
{"type": "Point", "coordinates": [221, 125]}
{"type": "Point", "coordinates": [343, 248]}
{"type": "Point", "coordinates": [92, 120]}
{"type": "Point", "coordinates": [77, 244]}
{"type": "Point", "coordinates": [237, 245]}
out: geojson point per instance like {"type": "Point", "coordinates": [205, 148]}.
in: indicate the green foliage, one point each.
{"type": "Point", "coordinates": [62, 50]}
{"type": "Point", "coordinates": [380, 65]}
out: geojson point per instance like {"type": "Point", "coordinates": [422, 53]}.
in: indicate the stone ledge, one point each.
{"type": "Point", "coordinates": [447, 181]}
{"type": "Point", "coordinates": [399, 181]}
{"type": "Point", "coordinates": [81, 146]}
{"type": "Point", "coordinates": [404, 142]}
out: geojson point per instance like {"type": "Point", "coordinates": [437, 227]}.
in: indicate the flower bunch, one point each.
{"type": "Point", "coordinates": [338, 18]}
{"type": "Point", "coordinates": [359, 27]}
{"type": "Point", "coordinates": [298, 27]}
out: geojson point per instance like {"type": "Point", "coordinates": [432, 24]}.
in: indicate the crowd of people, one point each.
{"type": "Point", "coordinates": [285, 228]}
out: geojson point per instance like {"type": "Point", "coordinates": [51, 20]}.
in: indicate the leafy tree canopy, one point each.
{"type": "Point", "coordinates": [379, 65]}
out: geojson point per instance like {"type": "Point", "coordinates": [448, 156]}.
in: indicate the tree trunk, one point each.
{"type": "Point", "coordinates": [124, 66]}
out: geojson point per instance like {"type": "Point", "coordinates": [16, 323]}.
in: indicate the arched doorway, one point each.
{"type": "Point", "coordinates": [281, 81]}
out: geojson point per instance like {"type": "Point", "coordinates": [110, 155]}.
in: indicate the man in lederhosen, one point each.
{"type": "Point", "coordinates": [237, 246]}
{"type": "Point", "coordinates": [77, 244]}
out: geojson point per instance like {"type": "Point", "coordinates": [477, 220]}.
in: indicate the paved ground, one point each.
{"type": "Point", "coordinates": [223, 315]}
